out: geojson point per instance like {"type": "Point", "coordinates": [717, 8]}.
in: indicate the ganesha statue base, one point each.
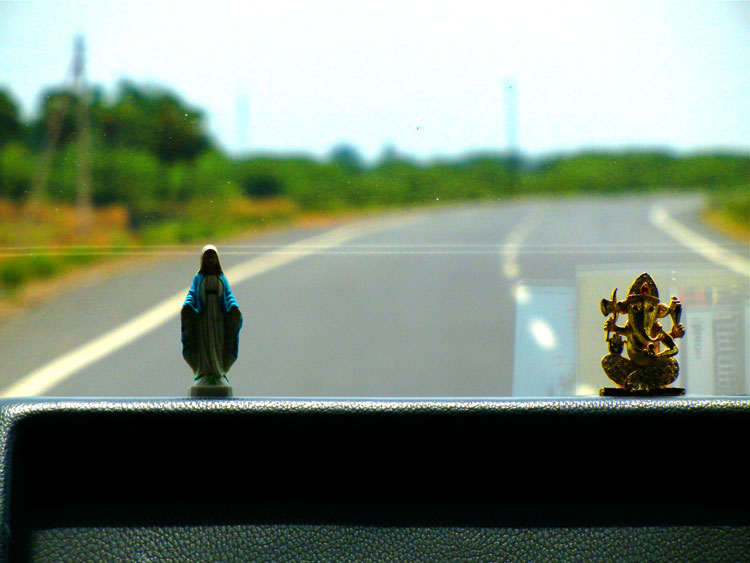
{"type": "Point", "coordinates": [652, 392]}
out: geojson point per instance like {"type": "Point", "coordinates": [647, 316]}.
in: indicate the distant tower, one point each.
{"type": "Point", "coordinates": [243, 119]}
{"type": "Point", "coordinates": [511, 116]}
{"type": "Point", "coordinates": [512, 133]}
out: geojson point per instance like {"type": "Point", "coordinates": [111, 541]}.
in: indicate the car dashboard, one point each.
{"type": "Point", "coordinates": [374, 480]}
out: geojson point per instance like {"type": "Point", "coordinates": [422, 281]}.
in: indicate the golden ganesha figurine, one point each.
{"type": "Point", "coordinates": [648, 369]}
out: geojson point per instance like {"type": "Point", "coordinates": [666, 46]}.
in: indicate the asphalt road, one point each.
{"type": "Point", "coordinates": [464, 301]}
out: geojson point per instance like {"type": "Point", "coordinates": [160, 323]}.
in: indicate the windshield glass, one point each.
{"type": "Point", "coordinates": [407, 199]}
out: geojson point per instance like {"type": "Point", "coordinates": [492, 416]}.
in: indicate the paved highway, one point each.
{"type": "Point", "coordinates": [462, 301]}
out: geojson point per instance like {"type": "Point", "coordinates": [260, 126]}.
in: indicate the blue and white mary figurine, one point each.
{"type": "Point", "coordinates": [211, 322]}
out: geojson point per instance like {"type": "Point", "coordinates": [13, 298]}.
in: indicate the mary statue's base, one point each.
{"type": "Point", "coordinates": [210, 391]}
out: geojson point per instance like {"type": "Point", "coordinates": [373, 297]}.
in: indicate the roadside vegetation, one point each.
{"type": "Point", "coordinates": [729, 211]}
{"type": "Point", "coordinates": [157, 178]}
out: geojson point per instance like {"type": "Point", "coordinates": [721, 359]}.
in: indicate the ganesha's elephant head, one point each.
{"type": "Point", "coordinates": [642, 306]}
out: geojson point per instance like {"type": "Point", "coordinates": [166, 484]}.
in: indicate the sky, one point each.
{"type": "Point", "coordinates": [427, 79]}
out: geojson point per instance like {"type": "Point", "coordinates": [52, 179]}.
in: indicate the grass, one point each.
{"type": "Point", "coordinates": [50, 243]}
{"type": "Point", "coordinates": [17, 270]}
{"type": "Point", "coordinates": [729, 212]}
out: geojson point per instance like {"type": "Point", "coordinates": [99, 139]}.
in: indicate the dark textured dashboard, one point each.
{"type": "Point", "coordinates": [374, 480]}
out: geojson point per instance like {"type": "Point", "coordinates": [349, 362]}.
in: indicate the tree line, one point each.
{"type": "Point", "coordinates": [151, 153]}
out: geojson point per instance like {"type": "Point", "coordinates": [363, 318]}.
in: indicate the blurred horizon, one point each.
{"type": "Point", "coordinates": [301, 80]}
{"type": "Point", "coordinates": [109, 94]}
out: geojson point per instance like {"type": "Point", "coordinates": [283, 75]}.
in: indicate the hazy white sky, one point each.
{"type": "Point", "coordinates": [427, 78]}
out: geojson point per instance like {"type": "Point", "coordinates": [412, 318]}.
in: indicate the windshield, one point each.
{"type": "Point", "coordinates": [406, 199]}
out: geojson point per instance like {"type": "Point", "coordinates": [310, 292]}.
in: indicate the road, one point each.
{"type": "Point", "coordinates": [462, 301]}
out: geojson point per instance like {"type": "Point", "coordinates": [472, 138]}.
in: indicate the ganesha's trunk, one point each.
{"type": "Point", "coordinates": [638, 326]}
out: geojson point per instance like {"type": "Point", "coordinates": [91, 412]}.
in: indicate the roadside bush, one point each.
{"type": "Point", "coordinates": [127, 176]}
{"type": "Point", "coordinates": [17, 164]}
{"type": "Point", "coordinates": [19, 269]}
{"type": "Point", "coordinates": [734, 204]}
{"type": "Point", "coordinates": [259, 178]}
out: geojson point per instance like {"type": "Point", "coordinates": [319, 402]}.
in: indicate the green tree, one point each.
{"type": "Point", "coordinates": [154, 120]}
{"type": "Point", "coordinates": [706, 170]}
{"type": "Point", "coordinates": [56, 122]}
{"type": "Point", "coordinates": [260, 177]}
{"type": "Point", "coordinates": [484, 175]}
{"type": "Point", "coordinates": [128, 176]}
{"type": "Point", "coordinates": [403, 181]}
{"type": "Point", "coordinates": [11, 127]}
{"type": "Point", "coordinates": [16, 169]}
{"type": "Point", "coordinates": [213, 178]}
{"type": "Point", "coordinates": [347, 157]}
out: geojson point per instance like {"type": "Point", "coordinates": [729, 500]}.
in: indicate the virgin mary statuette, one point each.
{"type": "Point", "coordinates": [211, 322]}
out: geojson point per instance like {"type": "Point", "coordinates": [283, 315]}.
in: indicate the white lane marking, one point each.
{"type": "Point", "coordinates": [543, 334]}
{"type": "Point", "coordinates": [512, 245]}
{"type": "Point", "coordinates": [61, 368]}
{"type": "Point", "coordinates": [698, 243]}
{"type": "Point", "coordinates": [522, 294]}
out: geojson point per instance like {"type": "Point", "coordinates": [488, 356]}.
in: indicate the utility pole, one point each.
{"type": "Point", "coordinates": [83, 137]}
{"type": "Point", "coordinates": [46, 160]}
{"type": "Point", "coordinates": [41, 174]}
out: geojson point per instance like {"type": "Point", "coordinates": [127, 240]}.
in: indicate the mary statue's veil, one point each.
{"type": "Point", "coordinates": [204, 269]}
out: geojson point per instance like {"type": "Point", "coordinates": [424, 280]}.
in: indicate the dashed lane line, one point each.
{"type": "Point", "coordinates": [512, 245]}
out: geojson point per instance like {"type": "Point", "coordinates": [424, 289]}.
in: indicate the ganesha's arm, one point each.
{"type": "Point", "coordinates": [610, 326]}
{"type": "Point", "coordinates": [670, 346]}
{"type": "Point", "coordinates": [678, 331]}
